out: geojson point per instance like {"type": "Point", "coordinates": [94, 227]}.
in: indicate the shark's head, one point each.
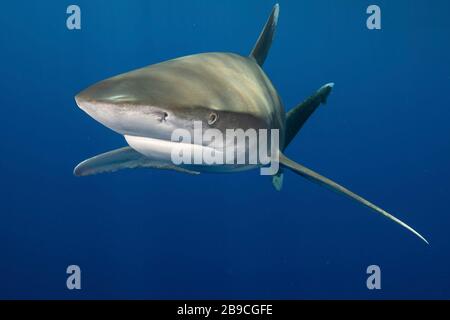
{"type": "Point", "coordinates": [154, 101]}
{"type": "Point", "coordinates": [224, 92]}
{"type": "Point", "coordinates": [127, 105]}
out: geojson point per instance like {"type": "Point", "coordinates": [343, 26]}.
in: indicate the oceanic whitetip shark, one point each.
{"type": "Point", "coordinates": [223, 90]}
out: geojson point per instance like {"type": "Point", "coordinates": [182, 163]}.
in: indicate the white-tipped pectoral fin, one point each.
{"type": "Point", "coordinates": [317, 178]}
{"type": "Point", "coordinates": [123, 158]}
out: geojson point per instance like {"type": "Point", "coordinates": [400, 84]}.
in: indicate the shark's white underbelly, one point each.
{"type": "Point", "coordinates": [166, 151]}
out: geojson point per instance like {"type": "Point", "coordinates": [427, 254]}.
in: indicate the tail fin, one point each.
{"type": "Point", "coordinates": [262, 46]}
{"type": "Point", "coordinates": [317, 178]}
{"type": "Point", "coordinates": [296, 118]}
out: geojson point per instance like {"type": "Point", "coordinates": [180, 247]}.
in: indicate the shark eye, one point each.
{"type": "Point", "coordinates": [213, 117]}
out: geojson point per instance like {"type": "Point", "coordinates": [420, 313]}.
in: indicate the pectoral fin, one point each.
{"type": "Point", "coordinates": [317, 178]}
{"type": "Point", "coordinates": [123, 158]}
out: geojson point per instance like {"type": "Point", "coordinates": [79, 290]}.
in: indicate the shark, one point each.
{"type": "Point", "coordinates": [219, 89]}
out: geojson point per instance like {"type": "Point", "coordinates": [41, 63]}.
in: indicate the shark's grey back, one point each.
{"type": "Point", "coordinates": [218, 81]}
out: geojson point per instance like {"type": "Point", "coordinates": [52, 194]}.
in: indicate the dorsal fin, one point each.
{"type": "Point", "coordinates": [262, 46]}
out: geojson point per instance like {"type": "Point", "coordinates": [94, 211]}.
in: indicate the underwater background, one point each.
{"type": "Point", "coordinates": [148, 234]}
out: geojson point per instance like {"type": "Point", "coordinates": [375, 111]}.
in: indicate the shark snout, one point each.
{"type": "Point", "coordinates": [95, 109]}
{"type": "Point", "coordinates": [81, 101]}
{"type": "Point", "coordinates": [103, 108]}
{"type": "Point", "coordinates": [127, 117]}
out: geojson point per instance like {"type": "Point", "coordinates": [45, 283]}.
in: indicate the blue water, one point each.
{"type": "Point", "coordinates": [385, 133]}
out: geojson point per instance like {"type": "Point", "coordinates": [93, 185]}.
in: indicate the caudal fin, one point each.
{"type": "Point", "coordinates": [262, 46]}
{"type": "Point", "coordinates": [317, 178]}
{"type": "Point", "coordinates": [297, 117]}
